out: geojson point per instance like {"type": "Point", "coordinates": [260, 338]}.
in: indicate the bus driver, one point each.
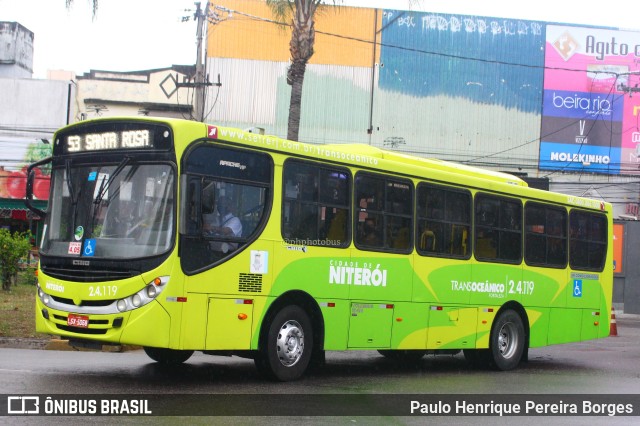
{"type": "Point", "coordinates": [225, 224]}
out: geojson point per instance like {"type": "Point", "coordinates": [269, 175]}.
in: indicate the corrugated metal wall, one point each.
{"type": "Point", "coordinates": [453, 87]}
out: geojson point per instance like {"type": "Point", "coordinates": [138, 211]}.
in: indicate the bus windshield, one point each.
{"type": "Point", "coordinates": [117, 211]}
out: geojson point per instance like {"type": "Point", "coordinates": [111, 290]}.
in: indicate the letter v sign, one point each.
{"type": "Point", "coordinates": [212, 131]}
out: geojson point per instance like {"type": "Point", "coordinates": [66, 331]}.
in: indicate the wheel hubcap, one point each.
{"type": "Point", "coordinates": [507, 340]}
{"type": "Point", "coordinates": [290, 343]}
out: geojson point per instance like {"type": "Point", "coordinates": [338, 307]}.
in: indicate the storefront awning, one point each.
{"type": "Point", "coordinates": [12, 208]}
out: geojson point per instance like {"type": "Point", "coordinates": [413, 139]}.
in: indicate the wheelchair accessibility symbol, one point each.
{"type": "Point", "coordinates": [89, 247]}
{"type": "Point", "coordinates": [577, 288]}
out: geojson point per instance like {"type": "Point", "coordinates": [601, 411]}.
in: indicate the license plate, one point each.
{"type": "Point", "coordinates": [80, 321]}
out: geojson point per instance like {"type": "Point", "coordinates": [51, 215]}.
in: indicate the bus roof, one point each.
{"type": "Point", "coordinates": [430, 163]}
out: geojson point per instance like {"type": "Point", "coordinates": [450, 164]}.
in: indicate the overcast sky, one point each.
{"type": "Point", "coordinates": [130, 35]}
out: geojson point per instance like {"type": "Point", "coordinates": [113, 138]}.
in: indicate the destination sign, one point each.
{"type": "Point", "coordinates": [103, 141]}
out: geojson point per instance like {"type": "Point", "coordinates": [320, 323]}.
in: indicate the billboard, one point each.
{"type": "Point", "coordinates": [589, 112]}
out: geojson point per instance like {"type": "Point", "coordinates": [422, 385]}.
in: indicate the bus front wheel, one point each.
{"type": "Point", "coordinates": [507, 340]}
{"type": "Point", "coordinates": [167, 356]}
{"type": "Point", "coordinates": [286, 348]}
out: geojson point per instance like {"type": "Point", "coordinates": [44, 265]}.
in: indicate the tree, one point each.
{"type": "Point", "coordinates": [303, 37]}
{"type": "Point", "coordinates": [12, 249]}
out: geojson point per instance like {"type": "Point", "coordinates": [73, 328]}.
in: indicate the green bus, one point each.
{"type": "Point", "coordinates": [180, 236]}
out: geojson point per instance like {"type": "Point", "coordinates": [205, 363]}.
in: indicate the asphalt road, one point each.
{"type": "Point", "coordinates": [605, 366]}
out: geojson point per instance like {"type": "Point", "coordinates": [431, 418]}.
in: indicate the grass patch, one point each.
{"type": "Point", "coordinates": [17, 308]}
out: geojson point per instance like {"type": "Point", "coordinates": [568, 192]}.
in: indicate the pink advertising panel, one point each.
{"type": "Point", "coordinates": [591, 106]}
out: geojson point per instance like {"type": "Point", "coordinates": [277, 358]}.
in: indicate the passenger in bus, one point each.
{"type": "Point", "coordinates": [370, 233]}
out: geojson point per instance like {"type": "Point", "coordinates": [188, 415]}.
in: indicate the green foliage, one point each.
{"type": "Point", "coordinates": [13, 247]}
{"type": "Point", "coordinates": [36, 152]}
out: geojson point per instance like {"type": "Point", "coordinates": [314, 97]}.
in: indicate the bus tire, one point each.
{"type": "Point", "coordinates": [167, 356]}
{"type": "Point", "coordinates": [403, 355]}
{"type": "Point", "coordinates": [507, 340]}
{"type": "Point", "coordinates": [286, 348]}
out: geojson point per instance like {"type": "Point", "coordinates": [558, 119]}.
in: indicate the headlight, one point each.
{"type": "Point", "coordinates": [151, 291]}
{"type": "Point", "coordinates": [136, 300]}
{"type": "Point", "coordinates": [121, 305]}
{"type": "Point", "coordinates": [144, 296]}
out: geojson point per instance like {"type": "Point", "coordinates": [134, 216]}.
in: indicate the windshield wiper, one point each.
{"type": "Point", "coordinates": [105, 188]}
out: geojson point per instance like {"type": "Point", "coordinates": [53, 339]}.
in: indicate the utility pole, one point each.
{"type": "Point", "coordinates": [199, 17]}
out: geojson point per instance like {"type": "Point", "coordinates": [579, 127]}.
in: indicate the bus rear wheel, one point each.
{"type": "Point", "coordinates": [167, 356]}
{"type": "Point", "coordinates": [507, 340]}
{"type": "Point", "coordinates": [286, 348]}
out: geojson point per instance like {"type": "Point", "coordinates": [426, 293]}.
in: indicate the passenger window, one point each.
{"type": "Point", "coordinates": [384, 213]}
{"type": "Point", "coordinates": [315, 207]}
{"type": "Point", "coordinates": [587, 240]}
{"type": "Point", "coordinates": [545, 235]}
{"type": "Point", "coordinates": [498, 230]}
{"type": "Point", "coordinates": [444, 221]}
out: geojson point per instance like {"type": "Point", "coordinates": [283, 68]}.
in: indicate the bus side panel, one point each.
{"type": "Point", "coordinates": [590, 324]}
{"type": "Point", "coordinates": [565, 325]}
{"type": "Point", "coordinates": [194, 327]}
{"type": "Point", "coordinates": [452, 327]}
{"type": "Point", "coordinates": [410, 326]}
{"type": "Point", "coordinates": [442, 280]}
{"type": "Point", "coordinates": [486, 316]}
{"type": "Point", "coordinates": [336, 314]}
{"type": "Point", "coordinates": [538, 326]}
{"type": "Point", "coordinates": [370, 325]}
{"type": "Point", "coordinates": [584, 290]}
{"type": "Point", "coordinates": [229, 323]}
{"type": "Point", "coordinates": [319, 271]}
{"type": "Point", "coordinates": [148, 327]}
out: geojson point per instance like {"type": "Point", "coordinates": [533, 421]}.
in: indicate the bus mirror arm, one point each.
{"type": "Point", "coordinates": [30, 179]}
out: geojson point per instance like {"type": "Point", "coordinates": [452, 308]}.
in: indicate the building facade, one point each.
{"type": "Point", "coordinates": [548, 102]}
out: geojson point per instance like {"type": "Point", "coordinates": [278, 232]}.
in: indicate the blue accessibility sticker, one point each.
{"type": "Point", "coordinates": [577, 288]}
{"type": "Point", "coordinates": [89, 247]}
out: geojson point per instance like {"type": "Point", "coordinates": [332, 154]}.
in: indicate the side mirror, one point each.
{"type": "Point", "coordinates": [31, 175]}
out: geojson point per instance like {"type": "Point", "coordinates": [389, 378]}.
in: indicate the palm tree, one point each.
{"type": "Point", "coordinates": [303, 37]}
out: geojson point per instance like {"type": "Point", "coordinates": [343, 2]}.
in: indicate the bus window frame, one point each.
{"type": "Point", "coordinates": [571, 238]}
{"type": "Point", "coordinates": [546, 207]}
{"type": "Point", "coordinates": [384, 212]}
{"type": "Point", "coordinates": [318, 202]}
{"type": "Point", "coordinates": [196, 236]}
{"type": "Point", "coordinates": [418, 219]}
{"type": "Point", "coordinates": [497, 227]}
